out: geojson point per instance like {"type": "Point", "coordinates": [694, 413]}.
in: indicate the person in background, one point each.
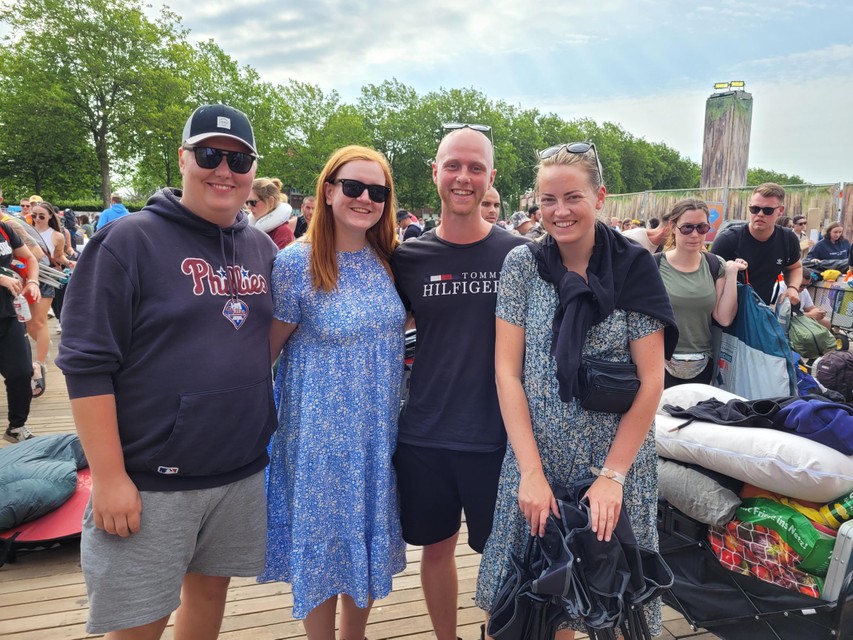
{"type": "Point", "coordinates": [16, 365]}
{"type": "Point", "coordinates": [490, 207]}
{"type": "Point", "coordinates": [654, 223]}
{"type": "Point", "coordinates": [833, 246]}
{"type": "Point", "coordinates": [299, 225]}
{"type": "Point", "coordinates": [115, 211]}
{"type": "Point", "coordinates": [785, 222]}
{"type": "Point", "coordinates": [46, 223]}
{"type": "Point", "coordinates": [269, 210]}
{"type": "Point", "coordinates": [406, 227]}
{"type": "Point", "coordinates": [807, 305]}
{"type": "Point", "coordinates": [653, 238]}
{"type": "Point", "coordinates": [520, 223]}
{"type": "Point", "coordinates": [615, 224]}
{"type": "Point", "coordinates": [700, 286]}
{"type": "Point", "coordinates": [536, 231]}
{"type": "Point", "coordinates": [87, 226]}
{"type": "Point", "coordinates": [334, 523]}
{"type": "Point", "coordinates": [806, 243]}
{"type": "Point", "coordinates": [769, 250]}
{"type": "Point", "coordinates": [582, 291]}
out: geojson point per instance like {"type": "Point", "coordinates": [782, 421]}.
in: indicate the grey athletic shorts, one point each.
{"type": "Point", "coordinates": [136, 580]}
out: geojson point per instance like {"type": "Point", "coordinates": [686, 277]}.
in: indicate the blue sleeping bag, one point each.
{"type": "Point", "coordinates": [37, 476]}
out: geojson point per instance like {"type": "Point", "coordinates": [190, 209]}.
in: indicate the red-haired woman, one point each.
{"type": "Point", "coordinates": [334, 526]}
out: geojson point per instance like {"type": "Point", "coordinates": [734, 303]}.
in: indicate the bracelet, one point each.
{"type": "Point", "coordinates": [31, 281]}
{"type": "Point", "coordinates": [609, 473]}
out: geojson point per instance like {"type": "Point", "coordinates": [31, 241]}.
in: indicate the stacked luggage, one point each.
{"type": "Point", "coordinates": [756, 522]}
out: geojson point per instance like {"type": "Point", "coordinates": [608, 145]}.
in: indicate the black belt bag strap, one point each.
{"type": "Point", "coordinates": [607, 386]}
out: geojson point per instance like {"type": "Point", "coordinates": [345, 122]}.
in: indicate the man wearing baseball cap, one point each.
{"type": "Point", "coordinates": [406, 228]}
{"type": "Point", "coordinates": [166, 359]}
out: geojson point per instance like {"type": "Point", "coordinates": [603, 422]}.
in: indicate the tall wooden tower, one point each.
{"type": "Point", "coordinates": [728, 123]}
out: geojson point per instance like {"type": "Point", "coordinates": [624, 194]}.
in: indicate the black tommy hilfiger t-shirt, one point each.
{"type": "Point", "coordinates": [451, 290]}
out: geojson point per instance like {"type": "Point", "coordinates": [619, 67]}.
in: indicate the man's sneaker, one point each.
{"type": "Point", "coordinates": [18, 434]}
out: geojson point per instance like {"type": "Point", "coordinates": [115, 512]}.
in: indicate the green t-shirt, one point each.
{"type": "Point", "coordinates": [693, 296]}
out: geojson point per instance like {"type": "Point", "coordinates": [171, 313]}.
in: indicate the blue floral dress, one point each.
{"type": "Point", "coordinates": [333, 513]}
{"type": "Point", "coordinates": [570, 439]}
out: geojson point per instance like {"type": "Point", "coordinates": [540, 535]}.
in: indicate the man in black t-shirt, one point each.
{"type": "Point", "coordinates": [767, 248]}
{"type": "Point", "coordinates": [451, 435]}
{"type": "Point", "coordinates": [16, 363]}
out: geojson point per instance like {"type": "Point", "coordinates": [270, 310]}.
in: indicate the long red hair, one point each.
{"type": "Point", "coordinates": [321, 232]}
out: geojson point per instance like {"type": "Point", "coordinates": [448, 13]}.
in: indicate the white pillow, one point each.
{"type": "Point", "coordinates": [767, 458]}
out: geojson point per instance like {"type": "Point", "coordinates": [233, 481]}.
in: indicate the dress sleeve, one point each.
{"type": "Point", "coordinates": [512, 292]}
{"type": "Point", "coordinates": [290, 272]}
{"type": "Point", "coordinates": [640, 325]}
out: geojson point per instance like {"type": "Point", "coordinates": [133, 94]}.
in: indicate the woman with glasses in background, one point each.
{"type": "Point", "coordinates": [269, 210]}
{"type": "Point", "coordinates": [333, 515]}
{"type": "Point", "coordinates": [52, 243]}
{"type": "Point", "coordinates": [584, 291]}
{"type": "Point", "coordinates": [701, 286]}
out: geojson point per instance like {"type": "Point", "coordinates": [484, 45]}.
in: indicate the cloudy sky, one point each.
{"type": "Point", "coordinates": [648, 65]}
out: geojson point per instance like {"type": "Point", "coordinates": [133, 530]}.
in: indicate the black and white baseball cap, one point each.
{"type": "Point", "coordinates": [211, 120]}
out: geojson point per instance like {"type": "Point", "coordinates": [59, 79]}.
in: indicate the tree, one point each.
{"type": "Point", "coordinates": [756, 176]}
{"type": "Point", "coordinates": [103, 54]}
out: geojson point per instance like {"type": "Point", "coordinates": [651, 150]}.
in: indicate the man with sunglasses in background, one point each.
{"type": "Point", "coordinates": [767, 248]}
{"type": "Point", "coordinates": [451, 436]}
{"type": "Point", "coordinates": [116, 211]}
{"type": "Point", "coordinates": [166, 358]}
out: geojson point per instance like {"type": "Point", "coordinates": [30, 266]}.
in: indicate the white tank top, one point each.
{"type": "Point", "coordinates": [47, 236]}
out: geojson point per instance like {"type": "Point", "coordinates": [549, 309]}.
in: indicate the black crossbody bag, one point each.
{"type": "Point", "coordinates": [609, 387]}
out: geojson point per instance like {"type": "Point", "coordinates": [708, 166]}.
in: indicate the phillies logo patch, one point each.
{"type": "Point", "coordinates": [236, 311]}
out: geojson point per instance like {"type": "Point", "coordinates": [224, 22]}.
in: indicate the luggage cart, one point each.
{"type": "Point", "coordinates": [742, 607]}
{"type": "Point", "coordinates": [836, 298]}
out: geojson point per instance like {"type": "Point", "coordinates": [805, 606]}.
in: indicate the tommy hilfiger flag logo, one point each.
{"type": "Point", "coordinates": [442, 277]}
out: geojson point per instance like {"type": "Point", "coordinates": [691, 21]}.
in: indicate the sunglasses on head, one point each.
{"type": "Point", "coordinates": [354, 188]}
{"type": "Point", "coordinates": [210, 158]}
{"type": "Point", "coordinates": [578, 148]}
{"type": "Point", "coordinates": [686, 229]}
{"type": "Point", "coordinates": [767, 211]}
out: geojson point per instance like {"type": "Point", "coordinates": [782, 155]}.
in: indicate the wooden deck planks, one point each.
{"type": "Point", "coordinates": [43, 596]}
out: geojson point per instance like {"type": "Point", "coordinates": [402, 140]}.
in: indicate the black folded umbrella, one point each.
{"type": "Point", "coordinates": [569, 574]}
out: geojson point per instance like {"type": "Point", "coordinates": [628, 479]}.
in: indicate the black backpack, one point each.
{"type": "Point", "coordinates": [835, 371]}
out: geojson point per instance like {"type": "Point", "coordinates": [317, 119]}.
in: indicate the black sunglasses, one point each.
{"type": "Point", "coordinates": [210, 158]}
{"type": "Point", "coordinates": [252, 203]}
{"type": "Point", "coordinates": [799, 224]}
{"type": "Point", "coordinates": [354, 188]}
{"type": "Point", "coordinates": [485, 129]}
{"type": "Point", "coordinates": [767, 211]}
{"type": "Point", "coordinates": [41, 217]}
{"type": "Point", "coordinates": [686, 229]}
{"type": "Point", "coordinates": [579, 148]}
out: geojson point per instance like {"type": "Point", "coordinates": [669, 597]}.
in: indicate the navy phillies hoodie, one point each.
{"type": "Point", "coordinates": [171, 314]}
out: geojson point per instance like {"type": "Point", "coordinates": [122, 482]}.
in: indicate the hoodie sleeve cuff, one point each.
{"type": "Point", "coordinates": [84, 386]}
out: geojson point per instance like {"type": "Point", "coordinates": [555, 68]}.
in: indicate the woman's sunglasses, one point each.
{"type": "Point", "coordinates": [40, 217]}
{"type": "Point", "coordinates": [579, 148]}
{"type": "Point", "coordinates": [210, 158]}
{"type": "Point", "coordinates": [687, 229]}
{"type": "Point", "coordinates": [354, 188]}
{"type": "Point", "coordinates": [252, 203]}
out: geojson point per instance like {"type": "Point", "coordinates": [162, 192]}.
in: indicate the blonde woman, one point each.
{"type": "Point", "coordinates": [269, 210]}
{"type": "Point", "coordinates": [334, 526]}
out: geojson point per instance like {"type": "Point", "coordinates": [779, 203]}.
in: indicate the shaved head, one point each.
{"type": "Point", "coordinates": [470, 137]}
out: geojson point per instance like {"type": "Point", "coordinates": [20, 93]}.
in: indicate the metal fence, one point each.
{"type": "Point", "coordinates": [821, 203]}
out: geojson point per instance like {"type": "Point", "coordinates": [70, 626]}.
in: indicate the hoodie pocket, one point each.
{"type": "Point", "coordinates": [218, 431]}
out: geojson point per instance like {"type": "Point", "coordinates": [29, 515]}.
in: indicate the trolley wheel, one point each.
{"type": "Point", "coordinates": [842, 342]}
